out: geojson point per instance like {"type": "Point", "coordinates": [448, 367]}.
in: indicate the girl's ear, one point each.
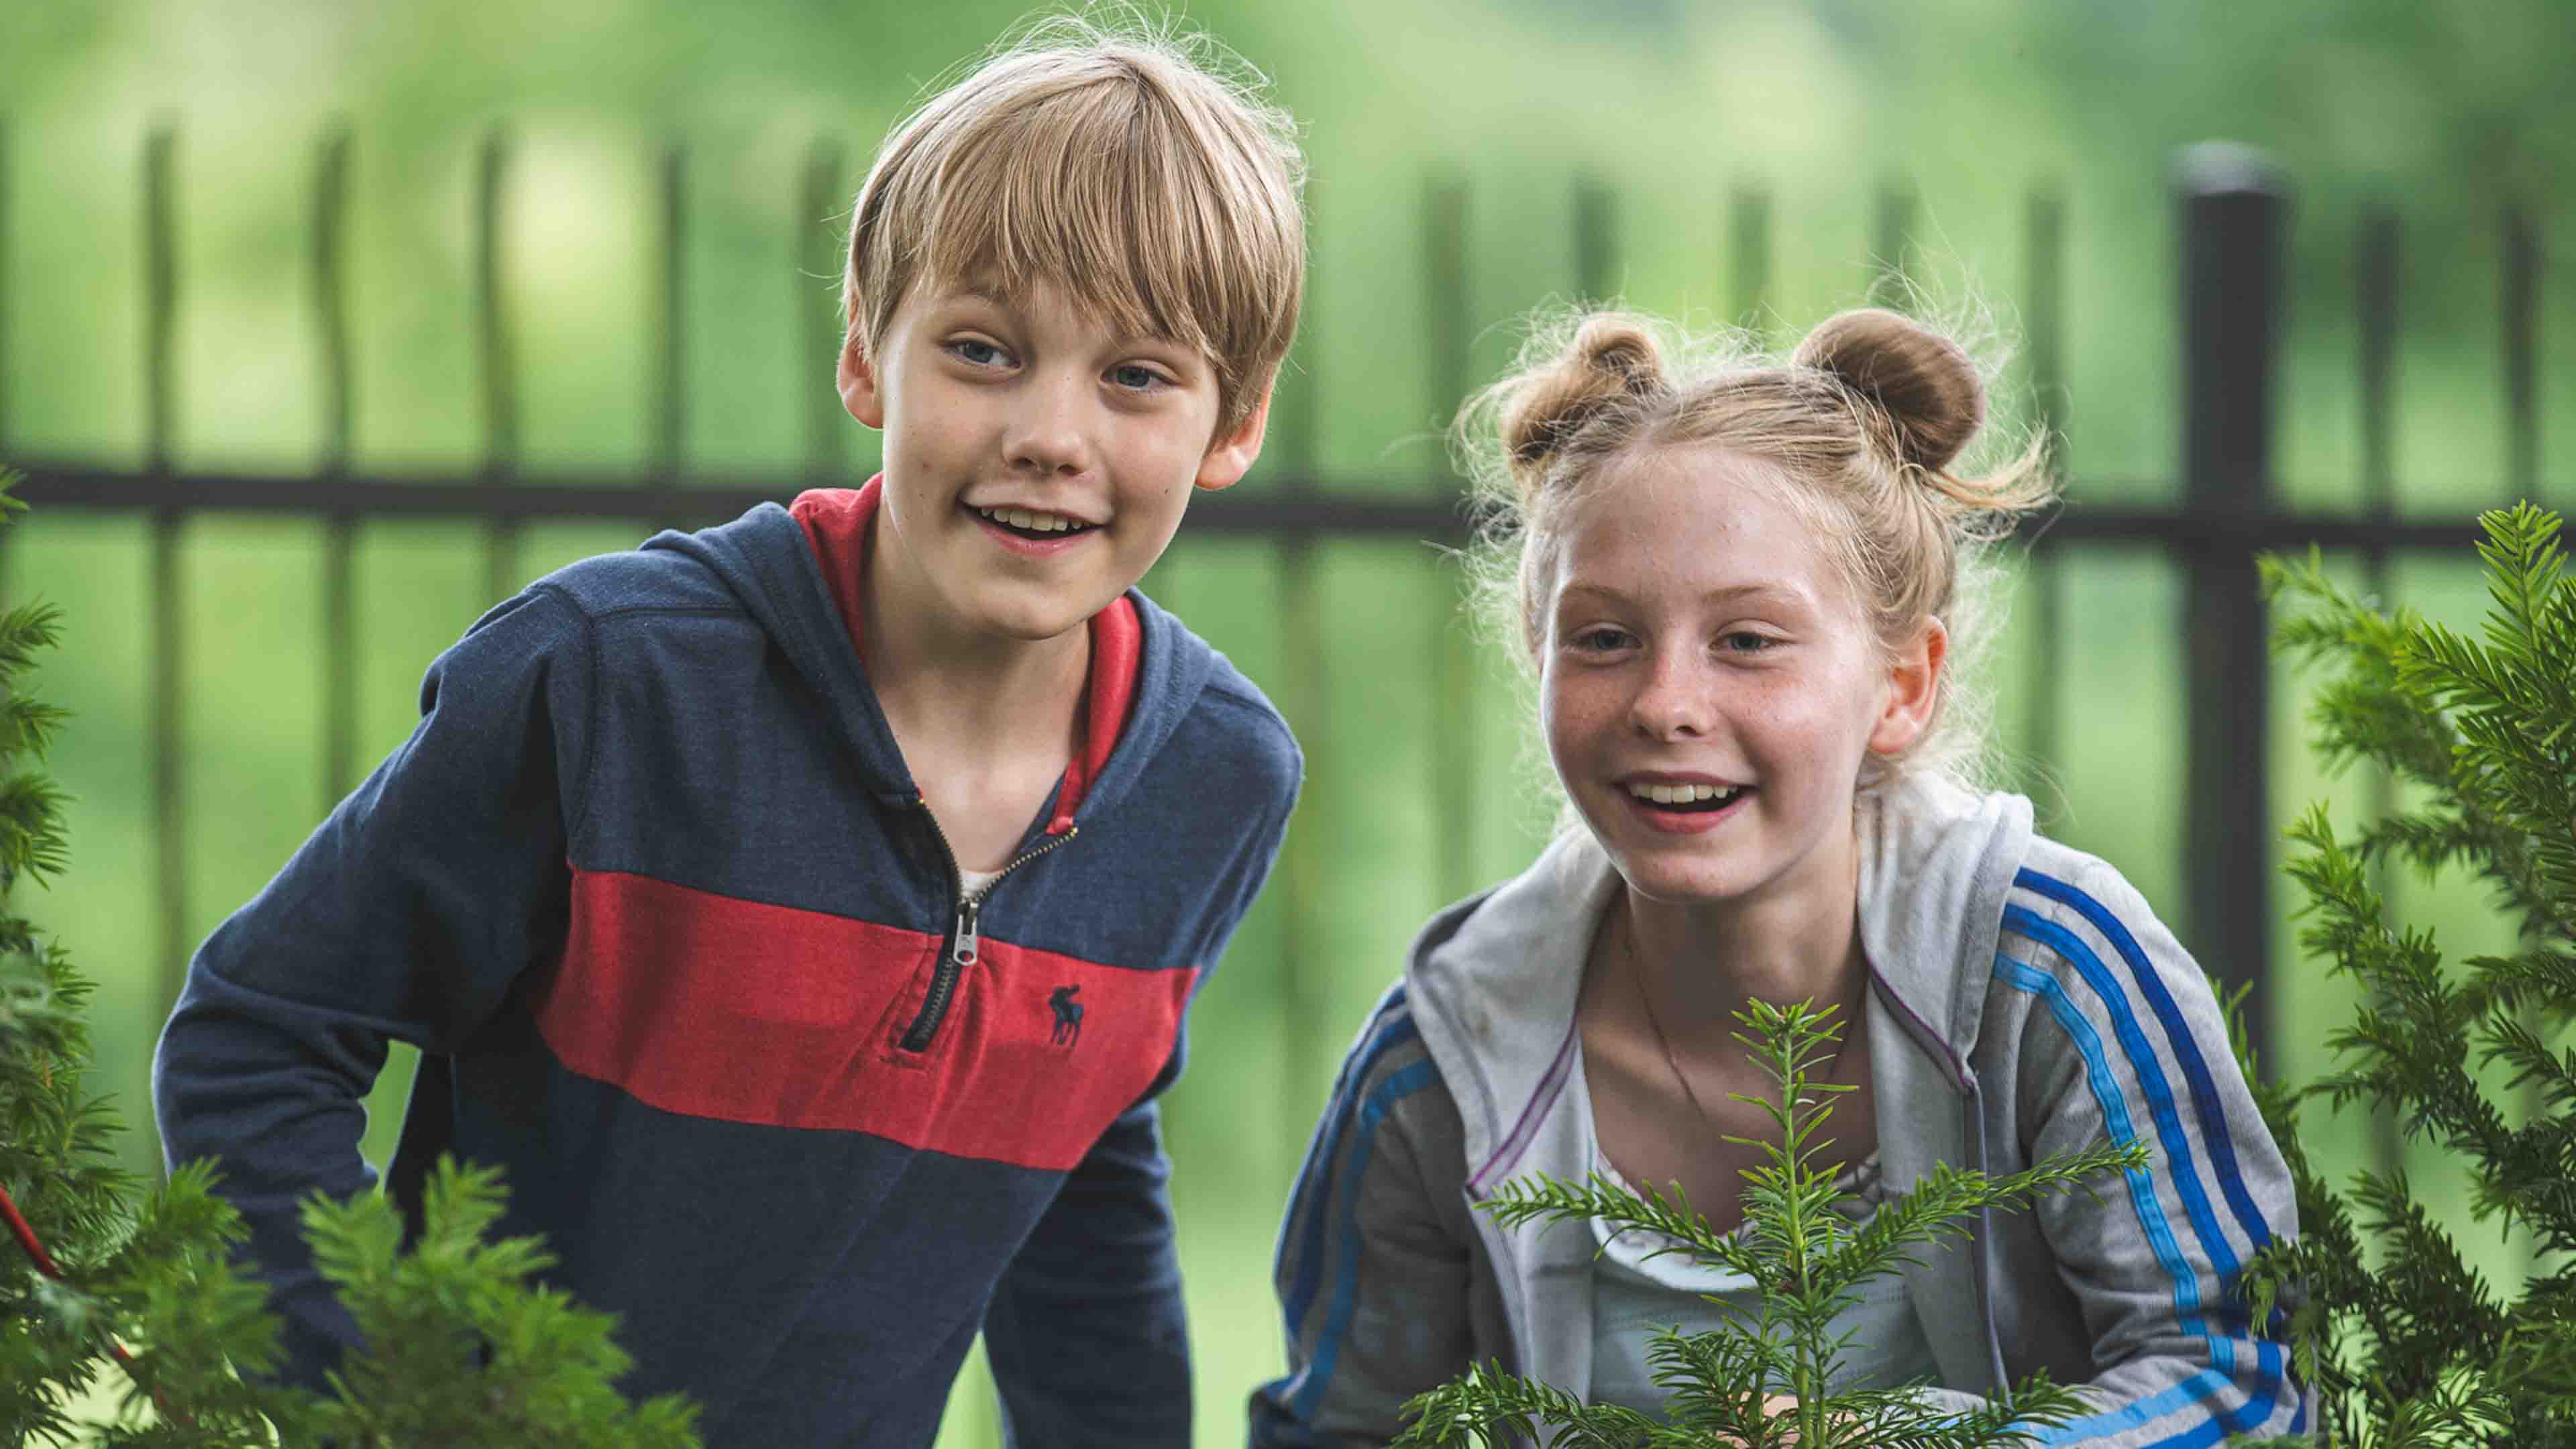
{"type": "Point", "coordinates": [1913, 687]}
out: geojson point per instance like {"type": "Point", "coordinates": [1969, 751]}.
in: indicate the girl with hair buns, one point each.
{"type": "Point", "coordinates": [1744, 588]}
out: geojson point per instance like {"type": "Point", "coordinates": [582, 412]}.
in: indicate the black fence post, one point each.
{"type": "Point", "coordinates": [2044, 237]}
{"type": "Point", "coordinates": [497, 370]}
{"type": "Point", "coordinates": [2234, 210]}
{"type": "Point", "coordinates": [1455, 785]}
{"type": "Point", "coordinates": [819, 328]}
{"type": "Point", "coordinates": [168, 705]}
{"type": "Point", "coordinates": [1748, 232]}
{"type": "Point", "coordinates": [339, 589]}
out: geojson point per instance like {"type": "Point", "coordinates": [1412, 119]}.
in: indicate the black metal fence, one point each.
{"type": "Point", "coordinates": [2231, 214]}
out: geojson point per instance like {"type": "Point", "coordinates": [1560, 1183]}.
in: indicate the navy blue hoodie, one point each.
{"type": "Point", "coordinates": [652, 891]}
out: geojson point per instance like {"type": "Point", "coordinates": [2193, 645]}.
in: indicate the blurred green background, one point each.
{"type": "Point", "coordinates": [2446, 111]}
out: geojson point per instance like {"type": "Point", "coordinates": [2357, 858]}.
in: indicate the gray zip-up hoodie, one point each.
{"type": "Point", "coordinates": [2024, 1003]}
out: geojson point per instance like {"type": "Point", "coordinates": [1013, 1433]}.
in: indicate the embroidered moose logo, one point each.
{"type": "Point", "coordinates": [1068, 1016]}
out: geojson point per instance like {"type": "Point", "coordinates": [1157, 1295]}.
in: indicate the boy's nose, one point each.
{"type": "Point", "coordinates": [1046, 433]}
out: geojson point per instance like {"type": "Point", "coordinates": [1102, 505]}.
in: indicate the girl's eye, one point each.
{"type": "Point", "coordinates": [1745, 641]}
{"type": "Point", "coordinates": [1135, 377]}
{"type": "Point", "coordinates": [1601, 639]}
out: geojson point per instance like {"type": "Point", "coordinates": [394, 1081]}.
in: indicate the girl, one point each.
{"type": "Point", "coordinates": [1741, 587]}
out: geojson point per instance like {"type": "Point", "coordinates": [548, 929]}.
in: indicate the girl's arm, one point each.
{"type": "Point", "coordinates": [2124, 1040]}
{"type": "Point", "coordinates": [1377, 1261]}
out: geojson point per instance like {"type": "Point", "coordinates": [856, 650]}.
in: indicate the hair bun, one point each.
{"type": "Point", "coordinates": [1924, 383]}
{"type": "Point", "coordinates": [1613, 357]}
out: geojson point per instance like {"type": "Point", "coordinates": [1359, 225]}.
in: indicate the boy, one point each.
{"type": "Point", "coordinates": [803, 911]}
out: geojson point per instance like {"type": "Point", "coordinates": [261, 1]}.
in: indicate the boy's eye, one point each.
{"type": "Point", "coordinates": [976, 351]}
{"type": "Point", "coordinates": [1135, 377]}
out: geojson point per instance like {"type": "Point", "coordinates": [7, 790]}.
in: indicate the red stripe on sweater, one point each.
{"type": "Point", "coordinates": [714, 1007]}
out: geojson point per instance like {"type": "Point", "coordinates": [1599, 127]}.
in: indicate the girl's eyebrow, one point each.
{"type": "Point", "coordinates": [1754, 592]}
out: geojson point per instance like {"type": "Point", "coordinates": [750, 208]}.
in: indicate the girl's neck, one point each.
{"type": "Point", "coordinates": [1701, 962]}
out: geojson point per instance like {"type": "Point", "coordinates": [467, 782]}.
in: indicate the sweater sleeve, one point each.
{"type": "Point", "coordinates": [409, 915]}
{"type": "Point", "coordinates": [1376, 1263]}
{"type": "Point", "coordinates": [2125, 1042]}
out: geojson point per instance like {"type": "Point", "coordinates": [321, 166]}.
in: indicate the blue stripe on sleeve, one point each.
{"type": "Point", "coordinates": [2151, 1077]}
{"type": "Point", "coordinates": [1394, 1027]}
{"type": "Point", "coordinates": [2204, 1089]}
{"type": "Point", "coordinates": [2107, 1094]}
{"type": "Point", "coordinates": [2115, 1118]}
{"type": "Point", "coordinates": [1346, 1272]}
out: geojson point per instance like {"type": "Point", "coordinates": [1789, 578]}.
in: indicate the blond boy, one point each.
{"type": "Point", "coordinates": [803, 911]}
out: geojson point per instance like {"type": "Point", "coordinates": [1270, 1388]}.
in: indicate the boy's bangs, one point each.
{"type": "Point", "coordinates": [1073, 194]}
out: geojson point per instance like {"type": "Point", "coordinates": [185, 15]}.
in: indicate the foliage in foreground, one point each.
{"type": "Point", "coordinates": [99, 1275]}
{"type": "Point", "coordinates": [1812, 1260]}
{"type": "Point", "coordinates": [2405, 1344]}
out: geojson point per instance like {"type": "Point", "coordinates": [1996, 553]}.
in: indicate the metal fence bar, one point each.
{"type": "Point", "coordinates": [1891, 228]}
{"type": "Point", "coordinates": [1748, 231]}
{"type": "Point", "coordinates": [1596, 260]}
{"type": "Point", "coordinates": [671, 321]}
{"type": "Point", "coordinates": [1453, 665]}
{"type": "Point", "coordinates": [339, 592]}
{"type": "Point", "coordinates": [1357, 506]}
{"type": "Point", "coordinates": [2375, 273]}
{"type": "Point", "coordinates": [4, 284]}
{"type": "Point", "coordinates": [818, 333]}
{"type": "Point", "coordinates": [1304, 1009]}
{"type": "Point", "coordinates": [2521, 353]}
{"type": "Point", "coordinates": [167, 703]}
{"type": "Point", "coordinates": [2234, 212]}
{"type": "Point", "coordinates": [2044, 241]}
{"type": "Point", "coordinates": [493, 352]}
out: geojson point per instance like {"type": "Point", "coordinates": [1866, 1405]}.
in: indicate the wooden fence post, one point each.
{"type": "Point", "coordinates": [2234, 210]}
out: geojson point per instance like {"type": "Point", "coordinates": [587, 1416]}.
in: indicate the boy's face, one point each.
{"type": "Point", "coordinates": [1036, 462]}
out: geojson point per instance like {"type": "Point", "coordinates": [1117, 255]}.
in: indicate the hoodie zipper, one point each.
{"type": "Point", "coordinates": [964, 942]}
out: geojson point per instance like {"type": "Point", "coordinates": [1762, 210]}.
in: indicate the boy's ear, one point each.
{"type": "Point", "coordinates": [1232, 454]}
{"type": "Point", "coordinates": [1913, 687]}
{"type": "Point", "coordinates": [858, 380]}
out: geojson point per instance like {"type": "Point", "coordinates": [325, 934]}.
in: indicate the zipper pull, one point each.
{"type": "Point", "coordinates": [963, 953]}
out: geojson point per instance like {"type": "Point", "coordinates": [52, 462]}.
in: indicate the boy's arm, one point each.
{"type": "Point", "coordinates": [1086, 1333]}
{"type": "Point", "coordinates": [407, 915]}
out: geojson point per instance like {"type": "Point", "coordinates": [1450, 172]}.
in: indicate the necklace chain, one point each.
{"type": "Point", "coordinates": [1628, 955]}
{"type": "Point", "coordinates": [1637, 979]}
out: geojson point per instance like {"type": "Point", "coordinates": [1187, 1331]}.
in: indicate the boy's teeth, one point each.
{"type": "Point", "coordinates": [1022, 518]}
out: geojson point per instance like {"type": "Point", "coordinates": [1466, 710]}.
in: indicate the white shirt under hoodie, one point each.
{"type": "Point", "coordinates": [2024, 1003]}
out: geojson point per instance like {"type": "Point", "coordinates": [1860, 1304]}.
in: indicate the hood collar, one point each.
{"type": "Point", "coordinates": [1494, 979]}
{"type": "Point", "coordinates": [770, 558]}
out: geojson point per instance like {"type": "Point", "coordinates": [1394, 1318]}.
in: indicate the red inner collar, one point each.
{"type": "Point", "coordinates": [837, 523]}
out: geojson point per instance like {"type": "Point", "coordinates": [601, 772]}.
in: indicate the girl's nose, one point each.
{"type": "Point", "coordinates": [1676, 701]}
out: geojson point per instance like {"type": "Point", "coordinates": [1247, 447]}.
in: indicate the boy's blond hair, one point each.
{"type": "Point", "coordinates": [1138, 171]}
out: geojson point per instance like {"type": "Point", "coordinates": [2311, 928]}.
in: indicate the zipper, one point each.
{"type": "Point", "coordinates": [965, 941]}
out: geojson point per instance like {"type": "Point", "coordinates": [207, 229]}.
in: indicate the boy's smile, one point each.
{"type": "Point", "coordinates": [1037, 462]}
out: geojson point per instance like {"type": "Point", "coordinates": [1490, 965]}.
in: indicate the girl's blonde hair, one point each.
{"type": "Point", "coordinates": [1863, 421]}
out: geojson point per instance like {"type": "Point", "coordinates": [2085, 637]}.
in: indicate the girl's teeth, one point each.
{"type": "Point", "coordinates": [1679, 794]}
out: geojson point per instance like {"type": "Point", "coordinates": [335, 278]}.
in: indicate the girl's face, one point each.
{"type": "Point", "coordinates": [1708, 686]}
